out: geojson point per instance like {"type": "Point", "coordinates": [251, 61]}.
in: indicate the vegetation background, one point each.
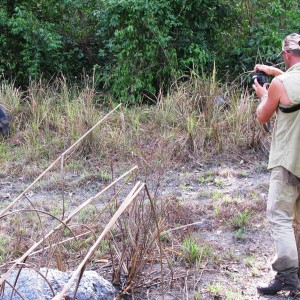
{"type": "Point", "coordinates": [135, 48]}
{"type": "Point", "coordinates": [62, 61]}
{"type": "Point", "coordinates": [182, 70]}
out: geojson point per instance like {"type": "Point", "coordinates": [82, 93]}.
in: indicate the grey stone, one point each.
{"type": "Point", "coordinates": [32, 286]}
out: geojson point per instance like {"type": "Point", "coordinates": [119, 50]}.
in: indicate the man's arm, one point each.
{"type": "Point", "coordinates": [269, 99]}
{"type": "Point", "coordinates": [268, 70]}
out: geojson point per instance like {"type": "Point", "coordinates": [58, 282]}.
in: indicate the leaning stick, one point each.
{"type": "Point", "coordinates": [131, 196]}
{"type": "Point", "coordinates": [55, 162]}
{"type": "Point", "coordinates": [35, 245]}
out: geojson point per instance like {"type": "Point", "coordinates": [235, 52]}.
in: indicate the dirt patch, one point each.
{"type": "Point", "coordinates": [221, 207]}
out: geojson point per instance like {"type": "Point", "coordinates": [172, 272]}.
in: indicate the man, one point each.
{"type": "Point", "coordinates": [283, 97]}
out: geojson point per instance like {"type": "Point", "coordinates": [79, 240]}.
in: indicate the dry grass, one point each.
{"type": "Point", "coordinates": [186, 124]}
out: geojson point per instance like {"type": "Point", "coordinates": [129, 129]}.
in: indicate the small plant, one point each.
{"type": "Point", "coordinates": [4, 242]}
{"type": "Point", "coordinates": [227, 199]}
{"type": "Point", "coordinates": [231, 295]}
{"type": "Point", "coordinates": [255, 196]}
{"type": "Point", "coordinates": [75, 166]}
{"type": "Point", "coordinates": [216, 195]}
{"type": "Point", "coordinates": [165, 237]}
{"type": "Point", "coordinates": [87, 214]}
{"type": "Point", "coordinates": [205, 193]}
{"type": "Point", "coordinates": [105, 177]}
{"type": "Point", "coordinates": [232, 275]}
{"type": "Point", "coordinates": [186, 187]}
{"type": "Point", "coordinates": [240, 234]}
{"type": "Point", "coordinates": [261, 167]}
{"type": "Point", "coordinates": [104, 246]}
{"type": "Point", "coordinates": [4, 152]}
{"type": "Point", "coordinates": [102, 250]}
{"type": "Point", "coordinates": [255, 272]}
{"type": "Point", "coordinates": [215, 289]}
{"type": "Point", "coordinates": [207, 177]}
{"type": "Point", "coordinates": [243, 174]}
{"type": "Point", "coordinates": [241, 220]}
{"type": "Point", "coordinates": [249, 261]}
{"type": "Point", "coordinates": [207, 251]}
{"type": "Point", "coordinates": [238, 198]}
{"type": "Point", "coordinates": [229, 255]}
{"type": "Point", "coordinates": [191, 251]}
{"type": "Point", "coordinates": [220, 183]}
{"type": "Point", "coordinates": [216, 210]}
{"type": "Point", "coordinates": [54, 211]}
{"type": "Point", "coordinates": [217, 258]}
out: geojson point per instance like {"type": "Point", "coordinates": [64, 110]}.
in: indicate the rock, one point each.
{"type": "Point", "coordinates": [32, 285]}
{"type": "Point", "coordinates": [29, 285]}
{"type": "Point", "coordinates": [219, 100]}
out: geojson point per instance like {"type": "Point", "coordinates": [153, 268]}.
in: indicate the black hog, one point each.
{"type": "Point", "coordinates": [4, 123]}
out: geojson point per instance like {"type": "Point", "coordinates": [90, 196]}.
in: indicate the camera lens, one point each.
{"type": "Point", "coordinates": [261, 77]}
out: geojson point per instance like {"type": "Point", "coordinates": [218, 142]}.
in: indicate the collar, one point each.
{"type": "Point", "coordinates": [294, 67]}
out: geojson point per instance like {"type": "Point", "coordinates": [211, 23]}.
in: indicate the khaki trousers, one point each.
{"type": "Point", "coordinates": [283, 213]}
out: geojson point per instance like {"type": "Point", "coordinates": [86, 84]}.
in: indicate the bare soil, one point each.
{"type": "Point", "coordinates": [216, 197]}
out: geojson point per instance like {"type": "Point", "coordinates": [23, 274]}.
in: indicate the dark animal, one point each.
{"type": "Point", "coordinates": [4, 123]}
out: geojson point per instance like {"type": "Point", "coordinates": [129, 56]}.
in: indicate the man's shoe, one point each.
{"type": "Point", "coordinates": [276, 286]}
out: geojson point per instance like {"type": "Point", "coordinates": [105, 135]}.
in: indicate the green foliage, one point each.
{"type": "Point", "coordinates": [46, 37]}
{"type": "Point", "coordinates": [192, 252]}
{"type": "Point", "coordinates": [263, 30]}
{"type": "Point", "coordinates": [215, 289]}
{"type": "Point", "coordinates": [4, 242]}
{"type": "Point", "coordinates": [241, 220]}
{"type": "Point", "coordinates": [240, 234]}
{"type": "Point", "coordinates": [137, 48]}
{"type": "Point", "coordinates": [149, 43]}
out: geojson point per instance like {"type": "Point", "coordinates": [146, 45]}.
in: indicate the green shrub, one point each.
{"type": "Point", "coordinates": [150, 43]}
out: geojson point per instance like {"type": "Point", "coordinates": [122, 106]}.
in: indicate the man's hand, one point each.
{"type": "Point", "coordinates": [260, 90]}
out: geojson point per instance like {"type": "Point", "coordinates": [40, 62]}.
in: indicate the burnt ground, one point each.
{"type": "Point", "coordinates": [227, 201]}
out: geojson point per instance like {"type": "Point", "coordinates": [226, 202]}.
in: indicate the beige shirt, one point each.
{"type": "Point", "coordinates": [285, 146]}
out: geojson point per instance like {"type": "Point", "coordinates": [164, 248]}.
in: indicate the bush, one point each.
{"type": "Point", "coordinates": [149, 43]}
{"type": "Point", "coordinates": [136, 49]}
{"type": "Point", "coordinates": [46, 37]}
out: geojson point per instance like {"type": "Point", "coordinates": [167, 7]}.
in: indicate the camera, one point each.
{"type": "Point", "coordinates": [261, 77]}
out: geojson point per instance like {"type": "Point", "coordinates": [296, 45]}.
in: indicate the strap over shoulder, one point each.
{"type": "Point", "coordinates": [289, 109]}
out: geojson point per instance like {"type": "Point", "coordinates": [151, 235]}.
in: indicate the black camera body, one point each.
{"type": "Point", "coordinates": [261, 77]}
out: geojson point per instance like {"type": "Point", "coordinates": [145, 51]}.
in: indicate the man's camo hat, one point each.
{"type": "Point", "coordinates": [291, 42]}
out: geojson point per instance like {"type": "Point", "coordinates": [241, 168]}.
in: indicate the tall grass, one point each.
{"type": "Point", "coordinates": [188, 123]}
